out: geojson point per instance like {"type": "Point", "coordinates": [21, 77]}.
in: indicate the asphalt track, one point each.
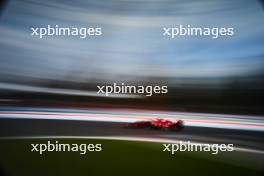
{"type": "Point", "coordinates": [242, 131]}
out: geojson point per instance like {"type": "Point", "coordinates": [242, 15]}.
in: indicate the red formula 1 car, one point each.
{"type": "Point", "coordinates": [158, 124]}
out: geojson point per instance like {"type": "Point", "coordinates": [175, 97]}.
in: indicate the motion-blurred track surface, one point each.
{"type": "Point", "coordinates": [245, 131]}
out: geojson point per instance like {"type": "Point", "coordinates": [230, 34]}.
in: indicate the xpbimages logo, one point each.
{"type": "Point", "coordinates": [197, 147]}
{"type": "Point", "coordinates": [130, 89]}
{"type": "Point", "coordinates": [188, 30]}
{"type": "Point", "coordinates": [82, 32]}
{"type": "Point", "coordinates": [59, 147]}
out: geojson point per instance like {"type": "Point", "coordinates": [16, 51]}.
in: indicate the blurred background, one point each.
{"type": "Point", "coordinates": [48, 86]}
{"type": "Point", "coordinates": [224, 75]}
